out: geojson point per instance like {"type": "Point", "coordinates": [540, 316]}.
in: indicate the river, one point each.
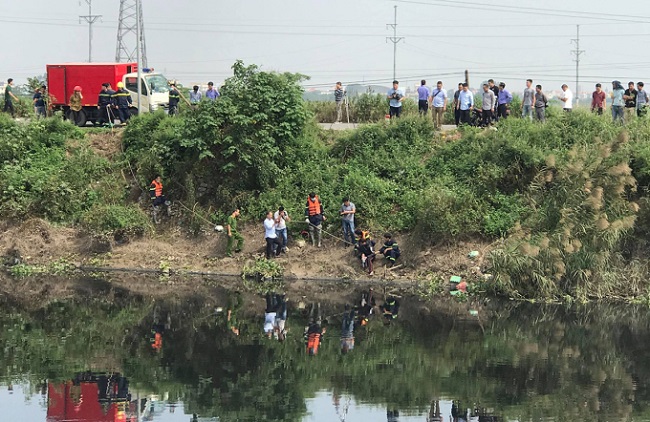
{"type": "Point", "coordinates": [118, 356]}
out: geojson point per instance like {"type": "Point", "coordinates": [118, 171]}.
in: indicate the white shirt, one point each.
{"type": "Point", "coordinates": [282, 224]}
{"type": "Point", "coordinates": [569, 99]}
{"type": "Point", "coordinates": [269, 322]}
{"type": "Point", "coordinates": [269, 228]}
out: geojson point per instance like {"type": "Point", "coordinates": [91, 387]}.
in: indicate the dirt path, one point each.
{"type": "Point", "coordinates": [37, 242]}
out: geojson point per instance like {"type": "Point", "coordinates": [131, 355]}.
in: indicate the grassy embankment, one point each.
{"type": "Point", "coordinates": [566, 202]}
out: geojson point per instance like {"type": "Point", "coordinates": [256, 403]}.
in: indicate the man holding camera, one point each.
{"type": "Point", "coordinates": [395, 95]}
{"type": "Point", "coordinates": [282, 217]}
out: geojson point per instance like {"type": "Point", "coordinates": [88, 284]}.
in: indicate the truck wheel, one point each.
{"type": "Point", "coordinates": [78, 119]}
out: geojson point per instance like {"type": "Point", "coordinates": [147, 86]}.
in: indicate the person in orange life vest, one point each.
{"type": "Point", "coordinates": [315, 331]}
{"type": "Point", "coordinates": [358, 235]}
{"type": "Point", "coordinates": [314, 217]}
{"type": "Point", "coordinates": [157, 197]}
{"type": "Point", "coordinates": [366, 254]}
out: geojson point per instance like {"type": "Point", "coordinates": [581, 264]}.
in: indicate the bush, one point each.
{"type": "Point", "coordinates": [128, 219]}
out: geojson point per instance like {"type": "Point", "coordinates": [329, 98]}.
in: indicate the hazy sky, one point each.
{"type": "Point", "coordinates": [330, 40]}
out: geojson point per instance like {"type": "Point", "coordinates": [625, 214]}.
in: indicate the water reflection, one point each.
{"type": "Point", "coordinates": [210, 355]}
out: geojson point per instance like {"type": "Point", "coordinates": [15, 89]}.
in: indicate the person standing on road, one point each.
{"type": "Point", "coordinates": [528, 102]}
{"type": "Point", "coordinates": [395, 95]}
{"type": "Point", "coordinates": [195, 95]}
{"type": "Point", "coordinates": [541, 102]}
{"type": "Point", "coordinates": [281, 229]}
{"type": "Point", "coordinates": [347, 212]}
{"type": "Point", "coordinates": [123, 101]}
{"type": "Point", "coordinates": [438, 101]}
{"type": "Point", "coordinates": [10, 98]}
{"type": "Point", "coordinates": [504, 99]}
{"type": "Point", "coordinates": [39, 102]}
{"type": "Point", "coordinates": [598, 100]}
{"type": "Point", "coordinates": [630, 97]}
{"type": "Point", "coordinates": [618, 103]}
{"type": "Point", "coordinates": [567, 98]}
{"type": "Point", "coordinates": [642, 100]}
{"type": "Point", "coordinates": [455, 104]}
{"type": "Point", "coordinates": [339, 93]}
{"type": "Point", "coordinates": [488, 105]}
{"type": "Point", "coordinates": [174, 98]}
{"type": "Point", "coordinates": [211, 93]}
{"type": "Point", "coordinates": [465, 104]}
{"type": "Point", "coordinates": [233, 234]}
{"type": "Point", "coordinates": [423, 97]}
{"type": "Point", "coordinates": [273, 242]}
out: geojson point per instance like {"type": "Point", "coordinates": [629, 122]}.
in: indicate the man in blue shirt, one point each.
{"type": "Point", "coordinates": [211, 93]}
{"type": "Point", "coordinates": [504, 100]}
{"type": "Point", "coordinates": [438, 101]}
{"type": "Point", "coordinates": [39, 102]}
{"type": "Point", "coordinates": [395, 95]}
{"type": "Point", "coordinates": [423, 97]}
{"type": "Point", "coordinates": [465, 104]}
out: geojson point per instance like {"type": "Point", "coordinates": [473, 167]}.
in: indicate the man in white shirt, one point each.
{"type": "Point", "coordinates": [567, 98]}
{"type": "Point", "coordinates": [273, 244]}
{"type": "Point", "coordinates": [282, 217]}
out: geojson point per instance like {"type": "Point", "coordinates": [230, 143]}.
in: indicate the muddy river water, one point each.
{"type": "Point", "coordinates": [108, 355]}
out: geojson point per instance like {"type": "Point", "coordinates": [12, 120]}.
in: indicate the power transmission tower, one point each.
{"type": "Point", "coordinates": [394, 39]}
{"type": "Point", "coordinates": [577, 52]}
{"type": "Point", "coordinates": [127, 31]}
{"type": "Point", "coordinates": [90, 19]}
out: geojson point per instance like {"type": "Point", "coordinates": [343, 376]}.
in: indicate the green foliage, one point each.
{"type": "Point", "coordinates": [128, 219]}
{"type": "Point", "coordinates": [263, 268]}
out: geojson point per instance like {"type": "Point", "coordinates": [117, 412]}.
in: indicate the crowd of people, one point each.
{"type": "Point", "coordinates": [496, 102]}
{"type": "Point", "coordinates": [276, 237]}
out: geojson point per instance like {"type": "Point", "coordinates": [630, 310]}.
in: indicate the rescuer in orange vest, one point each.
{"type": "Point", "coordinates": [157, 197]}
{"type": "Point", "coordinates": [314, 217]}
{"type": "Point", "coordinates": [315, 331]}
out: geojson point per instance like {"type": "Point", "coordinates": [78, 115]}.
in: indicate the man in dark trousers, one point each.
{"type": "Point", "coordinates": [174, 98]}
{"type": "Point", "coordinates": [105, 104]}
{"type": "Point", "coordinates": [314, 216]}
{"type": "Point", "coordinates": [123, 101]}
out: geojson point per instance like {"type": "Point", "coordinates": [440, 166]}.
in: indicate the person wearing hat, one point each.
{"type": "Point", "coordinates": [174, 98]}
{"type": "Point", "coordinates": [504, 99]}
{"type": "Point", "coordinates": [211, 93]}
{"type": "Point", "coordinates": [105, 104]}
{"type": "Point", "coordinates": [123, 101]}
{"type": "Point", "coordinates": [76, 114]}
{"type": "Point", "coordinates": [195, 95]}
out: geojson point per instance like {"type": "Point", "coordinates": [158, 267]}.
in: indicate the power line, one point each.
{"type": "Point", "coordinates": [90, 19]}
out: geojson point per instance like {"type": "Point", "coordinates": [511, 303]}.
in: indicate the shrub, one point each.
{"type": "Point", "coordinates": [128, 219]}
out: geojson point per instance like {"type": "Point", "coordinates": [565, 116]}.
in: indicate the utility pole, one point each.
{"type": "Point", "coordinates": [138, 40]}
{"type": "Point", "coordinates": [90, 19]}
{"type": "Point", "coordinates": [394, 39]}
{"type": "Point", "coordinates": [577, 53]}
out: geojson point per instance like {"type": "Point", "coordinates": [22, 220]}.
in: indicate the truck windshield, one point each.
{"type": "Point", "coordinates": [157, 83]}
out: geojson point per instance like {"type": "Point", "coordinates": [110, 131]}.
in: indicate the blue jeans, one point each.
{"type": "Point", "coordinates": [617, 113]}
{"type": "Point", "coordinates": [282, 234]}
{"type": "Point", "coordinates": [348, 230]}
{"type": "Point", "coordinates": [527, 111]}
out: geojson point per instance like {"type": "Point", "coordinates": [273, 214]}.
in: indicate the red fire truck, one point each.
{"type": "Point", "coordinates": [62, 78]}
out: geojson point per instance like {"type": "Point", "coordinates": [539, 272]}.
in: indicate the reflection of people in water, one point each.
{"type": "Point", "coordinates": [272, 304]}
{"type": "Point", "coordinates": [390, 308]}
{"type": "Point", "coordinates": [457, 413]}
{"type": "Point", "coordinates": [315, 331]}
{"type": "Point", "coordinates": [158, 329]}
{"type": "Point", "coordinates": [392, 415]}
{"type": "Point", "coordinates": [434, 412]}
{"type": "Point", "coordinates": [279, 328]}
{"type": "Point", "coordinates": [234, 304]}
{"type": "Point", "coordinates": [366, 307]}
{"type": "Point", "coordinates": [347, 330]}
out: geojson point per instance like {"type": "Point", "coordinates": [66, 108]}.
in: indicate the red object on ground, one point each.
{"type": "Point", "coordinates": [462, 286]}
{"type": "Point", "coordinates": [62, 79]}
